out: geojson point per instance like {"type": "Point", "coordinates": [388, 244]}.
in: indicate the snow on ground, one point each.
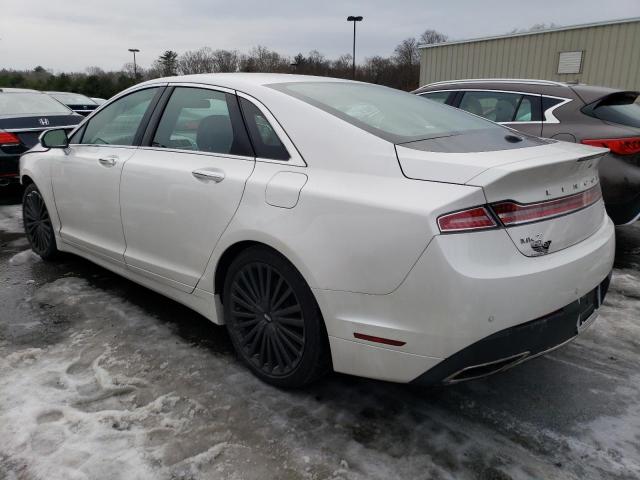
{"type": "Point", "coordinates": [102, 379]}
{"type": "Point", "coordinates": [11, 219]}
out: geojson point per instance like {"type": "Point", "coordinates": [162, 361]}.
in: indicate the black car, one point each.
{"type": "Point", "coordinates": [24, 115]}
{"type": "Point", "coordinates": [598, 116]}
{"type": "Point", "coordinates": [76, 101]}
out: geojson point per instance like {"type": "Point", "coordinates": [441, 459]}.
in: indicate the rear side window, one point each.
{"type": "Point", "coordinates": [118, 123]}
{"type": "Point", "coordinates": [266, 142]}
{"type": "Point", "coordinates": [622, 108]}
{"type": "Point", "coordinates": [502, 106]}
{"type": "Point", "coordinates": [440, 97]}
{"type": "Point", "coordinates": [202, 120]}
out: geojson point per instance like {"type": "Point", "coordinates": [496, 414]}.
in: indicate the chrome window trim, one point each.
{"type": "Point", "coordinates": [198, 152]}
{"type": "Point", "coordinates": [548, 115]}
{"type": "Point", "coordinates": [296, 158]}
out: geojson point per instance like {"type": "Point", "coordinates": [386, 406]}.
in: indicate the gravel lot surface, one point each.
{"type": "Point", "coordinates": [103, 379]}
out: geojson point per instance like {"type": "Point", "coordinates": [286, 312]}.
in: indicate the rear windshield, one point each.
{"type": "Point", "coordinates": [391, 114]}
{"type": "Point", "coordinates": [72, 98]}
{"type": "Point", "coordinates": [622, 108]}
{"type": "Point", "coordinates": [28, 103]}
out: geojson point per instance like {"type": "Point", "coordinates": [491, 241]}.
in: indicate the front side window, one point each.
{"type": "Point", "coordinates": [266, 142]}
{"type": "Point", "coordinates": [118, 123]}
{"type": "Point", "coordinates": [393, 115]}
{"type": "Point", "coordinates": [202, 120]}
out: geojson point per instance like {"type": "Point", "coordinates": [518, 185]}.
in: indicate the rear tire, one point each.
{"type": "Point", "coordinates": [273, 319]}
{"type": "Point", "coordinates": [37, 224]}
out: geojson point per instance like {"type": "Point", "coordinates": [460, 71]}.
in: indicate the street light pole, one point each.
{"type": "Point", "coordinates": [135, 68]}
{"type": "Point", "coordinates": [354, 19]}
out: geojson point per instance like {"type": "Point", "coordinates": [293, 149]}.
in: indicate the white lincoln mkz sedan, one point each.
{"type": "Point", "coordinates": [332, 224]}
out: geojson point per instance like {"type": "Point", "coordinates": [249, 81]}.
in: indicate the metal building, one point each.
{"type": "Point", "coordinates": [605, 53]}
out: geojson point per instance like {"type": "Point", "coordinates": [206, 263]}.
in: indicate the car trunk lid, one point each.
{"type": "Point", "coordinates": [548, 196]}
{"type": "Point", "coordinates": [29, 128]}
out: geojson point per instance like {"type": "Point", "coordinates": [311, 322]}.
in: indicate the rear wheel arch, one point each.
{"type": "Point", "coordinates": [236, 249]}
{"type": "Point", "coordinates": [230, 254]}
{"type": "Point", "coordinates": [26, 180]}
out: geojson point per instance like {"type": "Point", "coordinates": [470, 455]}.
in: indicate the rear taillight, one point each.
{"type": "Point", "coordinates": [512, 213]}
{"type": "Point", "coordinates": [619, 146]}
{"type": "Point", "coordinates": [7, 138]}
{"type": "Point", "coordinates": [477, 218]}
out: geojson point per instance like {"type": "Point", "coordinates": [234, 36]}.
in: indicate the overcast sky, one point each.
{"type": "Point", "coordinates": [75, 34]}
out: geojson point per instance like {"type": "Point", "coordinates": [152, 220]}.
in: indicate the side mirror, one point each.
{"type": "Point", "coordinates": [54, 139]}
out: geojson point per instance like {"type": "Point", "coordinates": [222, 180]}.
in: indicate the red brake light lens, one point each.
{"type": "Point", "coordinates": [619, 146]}
{"type": "Point", "coordinates": [477, 218]}
{"type": "Point", "coordinates": [7, 138]}
{"type": "Point", "coordinates": [512, 213]}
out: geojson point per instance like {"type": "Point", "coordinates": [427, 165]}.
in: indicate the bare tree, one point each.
{"type": "Point", "coordinates": [226, 60]}
{"type": "Point", "coordinates": [406, 53]}
{"type": "Point", "coordinates": [261, 59]}
{"type": "Point", "coordinates": [197, 61]}
{"type": "Point", "coordinates": [431, 36]}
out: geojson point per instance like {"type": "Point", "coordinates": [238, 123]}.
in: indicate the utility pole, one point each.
{"type": "Point", "coordinates": [354, 19]}
{"type": "Point", "coordinates": [135, 67]}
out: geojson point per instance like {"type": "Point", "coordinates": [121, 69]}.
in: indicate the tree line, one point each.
{"type": "Point", "coordinates": [400, 70]}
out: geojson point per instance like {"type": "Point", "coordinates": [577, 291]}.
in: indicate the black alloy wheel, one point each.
{"type": "Point", "coordinates": [273, 320]}
{"type": "Point", "coordinates": [37, 223]}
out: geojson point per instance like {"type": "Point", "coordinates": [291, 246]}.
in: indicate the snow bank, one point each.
{"type": "Point", "coordinates": [26, 256]}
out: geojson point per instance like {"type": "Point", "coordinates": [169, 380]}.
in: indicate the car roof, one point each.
{"type": "Point", "coordinates": [17, 90]}
{"type": "Point", "coordinates": [243, 81]}
{"type": "Point", "coordinates": [587, 93]}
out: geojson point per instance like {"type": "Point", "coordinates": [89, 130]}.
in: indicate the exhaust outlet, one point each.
{"type": "Point", "coordinates": [485, 369]}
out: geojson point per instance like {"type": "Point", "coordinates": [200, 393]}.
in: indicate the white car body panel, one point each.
{"type": "Point", "coordinates": [86, 186]}
{"type": "Point", "coordinates": [157, 188]}
{"type": "Point", "coordinates": [359, 224]}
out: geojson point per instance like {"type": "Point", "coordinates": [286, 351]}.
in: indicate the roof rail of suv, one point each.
{"type": "Point", "coordinates": [501, 80]}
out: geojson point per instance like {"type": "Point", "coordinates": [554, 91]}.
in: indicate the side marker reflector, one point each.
{"type": "Point", "coordinates": [385, 341]}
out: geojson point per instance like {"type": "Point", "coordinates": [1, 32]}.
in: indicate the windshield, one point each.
{"type": "Point", "coordinates": [27, 103]}
{"type": "Point", "coordinates": [72, 98]}
{"type": "Point", "coordinates": [622, 108]}
{"type": "Point", "coordinates": [391, 114]}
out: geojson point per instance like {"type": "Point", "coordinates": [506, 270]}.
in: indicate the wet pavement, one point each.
{"type": "Point", "coordinates": [104, 379]}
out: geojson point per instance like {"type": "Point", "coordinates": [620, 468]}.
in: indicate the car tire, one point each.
{"type": "Point", "coordinates": [37, 224]}
{"type": "Point", "coordinates": [273, 319]}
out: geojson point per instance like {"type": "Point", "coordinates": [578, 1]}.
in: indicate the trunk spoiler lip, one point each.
{"type": "Point", "coordinates": [583, 158]}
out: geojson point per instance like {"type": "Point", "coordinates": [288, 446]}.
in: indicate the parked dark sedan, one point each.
{"type": "Point", "coordinates": [24, 115]}
{"type": "Point", "coordinates": [76, 101]}
{"type": "Point", "coordinates": [598, 116]}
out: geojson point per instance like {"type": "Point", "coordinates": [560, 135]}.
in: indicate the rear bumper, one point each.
{"type": "Point", "coordinates": [464, 288]}
{"type": "Point", "coordinates": [512, 346]}
{"type": "Point", "coordinates": [9, 169]}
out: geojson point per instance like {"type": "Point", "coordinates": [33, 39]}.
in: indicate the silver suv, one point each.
{"type": "Point", "coordinates": [591, 115]}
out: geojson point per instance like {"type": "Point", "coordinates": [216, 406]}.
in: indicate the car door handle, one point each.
{"type": "Point", "coordinates": [209, 175]}
{"type": "Point", "coordinates": [109, 161]}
